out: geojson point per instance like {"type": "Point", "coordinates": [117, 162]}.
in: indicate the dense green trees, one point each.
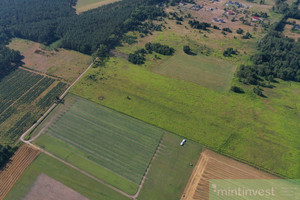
{"type": "Point", "coordinates": [5, 153]}
{"type": "Point", "coordinates": [138, 57]}
{"type": "Point", "coordinates": [8, 60]}
{"type": "Point", "coordinates": [199, 25]}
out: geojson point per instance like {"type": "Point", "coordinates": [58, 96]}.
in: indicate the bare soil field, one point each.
{"type": "Point", "coordinates": [61, 63]}
{"type": "Point", "coordinates": [50, 189]}
{"type": "Point", "coordinates": [19, 162]}
{"type": "Point", "coordinates": [214, 166]}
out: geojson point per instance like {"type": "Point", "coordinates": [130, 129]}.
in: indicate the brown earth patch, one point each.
{"type": "Point", "coordinates": [19, 162]}
{"type": "Point", "coordinates": [50, 189]}
{"type": "Point", "coordinates": [214, 166]}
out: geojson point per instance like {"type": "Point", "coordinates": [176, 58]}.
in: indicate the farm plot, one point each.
{"type": "Point", "coordinates": [107, 144]}
{"type": "Point", "coordinates": [170, 169]}
{"type": "Point", "coordinates": [24, 96]}
{"type": "Point", "coordinates": [19, 162]}
{"type": "Point", "coordinates": [215, 166]}
{"type": "Point", "coordinates": [57, 62]}
{"type": "Point", "coordinates": [64, 174]}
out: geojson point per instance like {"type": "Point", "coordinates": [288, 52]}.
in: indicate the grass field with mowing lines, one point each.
{"type": "Point", "coordinates": [64, 174]}
{"type": "Point", "coordinates": [88, 132]}
{"type": "Point", "coordinates": [170, 170]}
{"type": "Point", "coordinates": [260, 131]}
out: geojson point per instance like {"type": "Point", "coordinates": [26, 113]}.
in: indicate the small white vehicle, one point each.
{"type": "Point", "coordinates": [183, 142]}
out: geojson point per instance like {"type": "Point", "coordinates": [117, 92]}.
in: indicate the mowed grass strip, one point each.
{"type": "Point", "coordinates": [171, 169]}
{"type": "Point", "coordinates": [118, 142]}
{"type": "Point", "coordinates": [64, 174]}
{"type": "Point", "coordinates": [80, 160]}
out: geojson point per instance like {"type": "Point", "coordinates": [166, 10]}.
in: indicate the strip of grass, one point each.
{"type": "Point", "coordinates": [77, 158]}
{"type": "Point", "coordinates": [171, 169]}
{"type": "Point", "coordinates": [240, 125]}
{"type": "Point", "coordinates": [64, 174]}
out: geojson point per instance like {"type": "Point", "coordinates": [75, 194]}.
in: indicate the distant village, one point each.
{"type": "Point", "coordinates": [225, 9]}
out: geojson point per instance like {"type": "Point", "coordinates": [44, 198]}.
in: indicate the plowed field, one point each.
{"type": "Point", "coordinates": [19, 162]}
{"type": "Point", "coordinates": [215, 166]}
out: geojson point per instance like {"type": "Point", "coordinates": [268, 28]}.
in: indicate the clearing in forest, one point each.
{"type": "Point", "coordinates": [111, 146]}
{"type": "Point", "coordinates": [14, 170]}
{"type": "Point", "coordinates": [65, 64]}
{"type": "Point", "coordinates": [85, 5]}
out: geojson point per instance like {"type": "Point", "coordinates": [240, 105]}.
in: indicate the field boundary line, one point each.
{"type": "Point", "coordinates": [42, 74]}
{"type": "Point", "coordinates": [148, 169]}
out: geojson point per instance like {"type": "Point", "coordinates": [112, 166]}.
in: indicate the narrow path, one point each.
{"type": "Point", "coordinates": [22, 138]}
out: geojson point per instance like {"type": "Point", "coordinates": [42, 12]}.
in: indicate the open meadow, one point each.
{"type": "Point", "coordinates": [85, 5]}
{"type": "Point", "coordinates": [24, 97]}
{"type": "Point", "coordinates": [108, 145]}
{"type": "Point", "coordinates": [61, 63]}
{"type": "Point", "coordinates": [64, 174]}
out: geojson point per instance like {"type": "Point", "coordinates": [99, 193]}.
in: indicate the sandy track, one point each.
{"type": "Point", "coordinates": [19, 162]}
{"type": "Point", "coordinates": [214, 166]}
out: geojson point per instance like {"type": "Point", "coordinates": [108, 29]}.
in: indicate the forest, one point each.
{"type": "Point", "coordinates": [48, 21]}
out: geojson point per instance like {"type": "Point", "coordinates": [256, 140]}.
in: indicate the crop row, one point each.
{"type": "Point", "coordinates": [14, 86]}
{"type": "Point", "coordinates": [37, 90]}
{"type": "Point", "coordinates": [50, 97]}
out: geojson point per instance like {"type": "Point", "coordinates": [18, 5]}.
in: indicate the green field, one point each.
{"type": "Point", "coordinates": [64, 174]}
{"type": "Point", "coordinates": [260, 131]}
{"type": "Point", "coordinates": [170, 170]}
{"type": "Point", "coordinates": [111, 146]}
{"type": "Point", "coordinates": [24, 97]}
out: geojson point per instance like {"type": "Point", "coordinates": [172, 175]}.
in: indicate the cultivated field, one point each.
{"type": "Point", "coordinates": [170, 169]}
{"type": "Point", "coordinates": [215, 166]}
{"type": "Point", "coordinates": [85, 5]}
{"type": "Point", "coordinates": [108, 145]}
{"type": "Point", "coordinates": [24, 97]}
{"type": "Point", "coordinates": [288, 29]}
{"type": "Point", "coordinates": [64, 174]}
{"type": "Point", "coordinates": [57, 62]}
{"type": "Point", "coordinates": [14, 170]}
{"type": "Point", "coordinates": [50, 189]}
